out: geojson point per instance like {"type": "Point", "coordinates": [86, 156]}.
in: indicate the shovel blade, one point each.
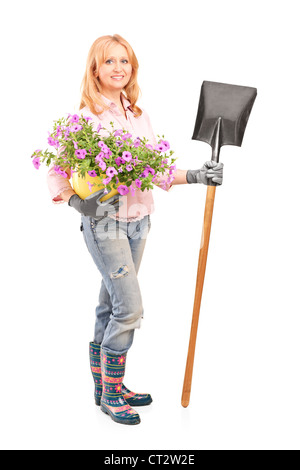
{"type": "Point", "coordinates": [226, 107]}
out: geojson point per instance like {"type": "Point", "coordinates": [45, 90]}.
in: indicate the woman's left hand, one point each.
{"type": "Point", "coordinates": [211, 171]}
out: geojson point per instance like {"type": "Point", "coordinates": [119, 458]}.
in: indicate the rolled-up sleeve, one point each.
{"type": "Point", "coordinates": [164, 182]}
{"type": "Point", "coordinates": [57, 184]}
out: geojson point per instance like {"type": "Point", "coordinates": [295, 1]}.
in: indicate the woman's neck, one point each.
{"type": "Point", "coordinates": [115, 98]}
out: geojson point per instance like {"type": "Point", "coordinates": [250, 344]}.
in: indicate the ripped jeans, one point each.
{"type": "Point", "coordinates": [117, 249]}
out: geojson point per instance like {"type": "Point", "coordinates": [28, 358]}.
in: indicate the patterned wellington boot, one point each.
{"type": "Point", "coordinates": [136, 399]}
{"type": "Point", "coordinates": [95, 363]}
{"type": "Point", "coordinates": [133, 399]}
{"type": "Point", "coordinates": [112, 401]}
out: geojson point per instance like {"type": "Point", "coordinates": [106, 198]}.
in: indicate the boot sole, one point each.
{"type": "Point", "coordinates": [120, 421]}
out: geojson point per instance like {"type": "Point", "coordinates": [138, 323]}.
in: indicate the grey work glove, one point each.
{"type": "Point", "coordinates": [211, 171]}
{"type": "Point", "coordinates": [92, 207]}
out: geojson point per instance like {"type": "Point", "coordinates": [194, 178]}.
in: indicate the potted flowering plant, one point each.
{"type": "Point", "coordinates": [118, 162]}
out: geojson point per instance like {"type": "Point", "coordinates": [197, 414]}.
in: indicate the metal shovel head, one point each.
{"type": "Point", "coordinates": [224, 110]}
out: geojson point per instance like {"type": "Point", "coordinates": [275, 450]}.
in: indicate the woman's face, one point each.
{"type": "Point", "coordinates": [115, 72]}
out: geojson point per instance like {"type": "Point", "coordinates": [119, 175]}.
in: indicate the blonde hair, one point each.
{"type": "Point", "coordinates": [91, 86]}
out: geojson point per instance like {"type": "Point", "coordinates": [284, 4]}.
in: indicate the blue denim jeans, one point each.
{"type": "Point", "coordinates": [117, 249]}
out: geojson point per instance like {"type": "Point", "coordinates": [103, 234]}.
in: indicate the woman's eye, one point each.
{"type": "Point", "coordinates": [110, 61]}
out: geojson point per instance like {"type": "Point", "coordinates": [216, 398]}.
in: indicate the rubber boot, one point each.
{"type": "Point", "coordinates": [136, 399]}
{"type": "Point", "coordinates": [133, 399]}
{"type": "Point", "coordinates": [112, 401]}
{"type": "Point", "coordinates": [95, 363]}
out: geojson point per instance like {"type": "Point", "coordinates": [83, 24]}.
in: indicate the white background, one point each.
{"type": "Point", "coordinates": [246, 382]}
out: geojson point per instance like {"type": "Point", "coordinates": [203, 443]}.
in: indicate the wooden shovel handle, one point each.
{"type": "Point", "coordinates": [209, 207]}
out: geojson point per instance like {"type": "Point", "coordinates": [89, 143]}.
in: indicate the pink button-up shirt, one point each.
{"type": "Point", "coordinates": [137, 205]}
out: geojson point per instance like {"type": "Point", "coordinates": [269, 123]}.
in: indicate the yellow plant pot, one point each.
{"type": "Point", "coordinates": [81, 187]}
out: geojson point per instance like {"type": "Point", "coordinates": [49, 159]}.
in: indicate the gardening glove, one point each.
{"type": "Point", "coordinates": [92, 207]}
{"type": "Point", "coordinates": [211, 171]}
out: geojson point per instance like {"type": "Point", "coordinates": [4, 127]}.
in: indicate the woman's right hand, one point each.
{"type": "Point", "coordinates": [92, 207]}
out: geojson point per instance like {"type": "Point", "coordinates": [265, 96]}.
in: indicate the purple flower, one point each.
{"type": "Point", "coordinates": [119, 144]}
{"type": "Point", "coordinates": [126, 136]}
{"type": "Point", "coordinates": [129, 167]}
{"type": "Point", "coordinates": [137, 142]}
{"type": "Point", "coordinates": [118, 161]}
{"type": "Point", "coordinates": [92, 173]}
{"type": "Point", "coordinates": [99, 127]}
{"type": "Point", "coordinates": [118, 132]}
{"type": "Point", "coordinates": [107, 152]}
{"type": "Point", "coordinates": [159, 147]}
{"type": "Point", "coordinates": [148, 146]}
{"type": "Point", "coordinates": [102, 165]}
{"type": "Point", "coordinates": [138, 183]}
{"type": "Point", "coordinates": [80, 153]}
{"type": "Point", "coordinates": [127, 156]}
{"type": "Point", "coordinates": [106, 180]}
{"type": "Point", "coordinates": [123, 190]}
{"type": "Point", "coordinates": [58, 132]}
{"type": "Point", "coordinates": [147, 171]}
{"type": "Point", "coordinates": [162, 146]}
{"type": "Point", "coordinates": [99, 157]}
{"type": "Point", "coordinates": [111, 172]}
{"type": "Point", "coordinates": [36, 162]}
{"type": "Point", "coordinates": [87, 118]}
{"type": "Point", "coordinates": [53, 142]}
{"type": "Point", "coordinates": [60, 171]}
{"type": "Point", "coordinates": [166, 144]}
{"type": "Point", "coordinates": [74, 118]}
{"type": "Point", "coordinates": [67, 132]}
{"type": "Point", "coordinates": [76, 128]}
{"type": "Point", "coordinates": [75, 144]}
{"type": "Point", "coordinates": [105, 149]}
{"type": "Point", "coordinates": [150, 170]}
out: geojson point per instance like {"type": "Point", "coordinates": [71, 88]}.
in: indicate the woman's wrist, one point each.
{"type": "Point", "coordinates": [180, 177]}
{"type": "Point", "coordinates": [67, 194]}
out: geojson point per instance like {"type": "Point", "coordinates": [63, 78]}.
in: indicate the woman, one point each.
{"type": "Point", "coordinates": [115, 232]}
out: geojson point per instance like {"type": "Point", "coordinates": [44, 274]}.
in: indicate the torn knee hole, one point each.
{"type": "Point", "coordinates": [121, 272]}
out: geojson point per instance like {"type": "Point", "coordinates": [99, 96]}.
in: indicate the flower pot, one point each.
{"type": "Point", "coordinates": [81, 187]}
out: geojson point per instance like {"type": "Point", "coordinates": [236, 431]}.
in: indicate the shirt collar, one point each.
{"type": "Point", "coordinates": [111, 104]}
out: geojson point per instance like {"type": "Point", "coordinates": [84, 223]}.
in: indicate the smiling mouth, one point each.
{"type": "Point", "coordinates": [117, 77]}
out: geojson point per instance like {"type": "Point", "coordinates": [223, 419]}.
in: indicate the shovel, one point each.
{"type": "Point", "coordinates": [222, 117]}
